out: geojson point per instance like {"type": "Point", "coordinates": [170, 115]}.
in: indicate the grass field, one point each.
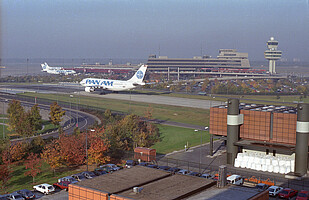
{"type": "Point", "coordinates": [20, 181]}
{"type": "Point", "coordinates": [163, 112]}
{"type": "Point", "coordinates": [175, 138]}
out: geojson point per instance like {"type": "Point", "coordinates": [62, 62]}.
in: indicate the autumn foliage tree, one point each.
{"type": "Point", "coordinates": [5, 170]}
{"type": "Point", "coordinates": [15, 113]}
{"type": "Point", "coordinates": [17, 151]}
{"type": "Point", "coordinates": [56, 113]}
{"type": "Point", "coordinates": [99, 146]}
{"type": "Point", "coordinates": [33, 163]}
{"type": "Point", "coordinates": [51, 154]}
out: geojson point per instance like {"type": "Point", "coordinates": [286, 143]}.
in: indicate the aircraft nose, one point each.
{"type": "Point", "coordinates": [82, 82]}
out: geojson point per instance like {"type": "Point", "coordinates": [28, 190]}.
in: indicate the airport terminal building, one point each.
{"type": "Point", "coordinates": [227, 58]}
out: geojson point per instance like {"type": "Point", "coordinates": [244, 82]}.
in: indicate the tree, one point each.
{"type": "Point", "coordinates": [15, 113]}
{"type": "Point", "coordinates": [5, 171]}
{"type": "Point", "coordinates": [35, 117]}
{"type": "Point", "coordinates": [33, 163]}
{"type": "Point", "coordinates": [18, 151]}
{"type": "Point", "coordinates": [51, 154]}
{"type": "Point", "coordinates": [56, 113]}
{"type": "Point", "coordinates": [99, 146]}
{"type": "Point", "coordinates": [72, 149]}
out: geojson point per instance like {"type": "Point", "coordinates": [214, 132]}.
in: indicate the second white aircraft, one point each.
{"type": "Point", "coordinates": [91, 84]}
{"type": "Point", "coordinates": [56, 70]}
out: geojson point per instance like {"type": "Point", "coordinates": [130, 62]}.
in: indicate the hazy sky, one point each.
{"type": "Point", "coordinates": [135, 29]}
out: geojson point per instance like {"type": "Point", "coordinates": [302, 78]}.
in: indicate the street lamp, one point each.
{"type": "Point", "coordinates": [92, 130]}
{"type": "Point", "coordinates": [71, 96]}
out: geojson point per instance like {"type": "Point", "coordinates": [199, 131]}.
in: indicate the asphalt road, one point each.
{"type": "Point", "coordinates": [75, 117]}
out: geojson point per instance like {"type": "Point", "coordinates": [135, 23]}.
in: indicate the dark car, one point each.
{"type": "Point", "coordinates": [287, 193]}
{"type": "Point", "coordinates": [79, 177]}
{"type": "Point", "coordinates": [303, 195]}
{"type": "Point", "coordinates": [195, 174]}
{"type": "Point", "coordinates": [62, 185]}
{"type": "Point", "coordinates": [173, 170]}
{"type": "Point", "coordinates": [88, 174]}
{"type": "Point", "coordinates": [130, 163]}
{"type": "Point", "coordinates": [261, 186]}
{"type": "Point", "coordinates": [165, 168]}
{"type": "Point", "coordinates": [4, 197]}
{"type": "Point", "coordinates": [27, 194]}
{"type": "Point", "coordinates": [143, 164]}
{"type": "Point", "coordinates": [153, 166]}
{"type": "Point", "coordinates": [15, 196]}
{"type": "Point", "coordinates": [99, 172]}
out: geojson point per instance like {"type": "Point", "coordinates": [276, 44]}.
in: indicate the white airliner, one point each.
{"type": "Point", "coordinates": [56, 70]}
{"type": "Point", "coordinates": [91, 84]}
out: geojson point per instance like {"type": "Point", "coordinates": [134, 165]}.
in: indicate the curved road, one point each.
{"type": "Point", "coordinates": [82, 119]}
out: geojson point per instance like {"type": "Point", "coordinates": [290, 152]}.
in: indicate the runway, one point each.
{"type": "Point", "coordinates": [126, 96]}
{"type": "Point", "coordinates": [158, 99]}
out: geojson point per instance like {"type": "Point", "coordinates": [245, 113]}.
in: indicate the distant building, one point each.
{"type": "Point", "coordinates": [228, 58]}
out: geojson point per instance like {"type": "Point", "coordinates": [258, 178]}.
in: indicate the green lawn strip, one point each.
{"type": "Point", "coordinates": [175, 138]}
{"type": "Point", "coordinates": [223, 97]}
{"type": "Point", "coordinates": [163, 112]}
{"type": "Point", "coordinates": [20, 181]}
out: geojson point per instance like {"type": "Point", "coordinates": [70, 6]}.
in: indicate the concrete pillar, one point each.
{"type": "Point", "coordinates": [302, 132]}
{"type": "Point", "coordinates": [221, 183]}
{"type": "Point", "coordinates": [232, 130]}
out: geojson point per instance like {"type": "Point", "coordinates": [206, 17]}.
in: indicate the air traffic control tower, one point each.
{"type": "Point", "coordinates": [272, 54]}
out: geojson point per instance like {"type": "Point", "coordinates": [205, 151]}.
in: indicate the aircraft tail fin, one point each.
{"type": "Point", "coordinates": [139, 75]}
{"type": "Point", "coordinates": [45, 67]}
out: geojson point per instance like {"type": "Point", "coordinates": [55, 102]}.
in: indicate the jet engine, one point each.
{"type": "Point", "coordinates": [89, 89]}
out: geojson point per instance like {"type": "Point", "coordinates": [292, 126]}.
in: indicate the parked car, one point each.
{"type": "Point", "coordinates": [27, 194]}
{"type": "Point", "coordinates": [274, 190]}
{"type": "Point", "coordinates": [104, 168]}
{"type": "Point", "coordinates": [183, 171]}
{"type": "Point", "coordinates": [152, 166]}
{"type": "Point", "coordinates": [143, 164]}
{"type": "Point", "coordinates": [88, 174]}
{"type": "Point", "coordinates": [130, 163]}
{"type": "Point", "coordinates": [99, 172]}
{"type": "Point", "coordinates": [79, 177]}
{"type": "Point", "coordinates": [303, 195]}
{"type": "Point", "coordinates": [62, 185]}
{"type": "Point", "coordinates": [207, 176]}
{"type": "Point", "coordinates": [235, 179]}
{"type": "Point", "coordinates": [110, 167]}
{"type": "Point", "coordinates": [173, 170]}
{"type": "Point", "coordinates": [44, 188]}
{"type": "Point", "coordinates": [15, 196]}
{"type": "Point", "coordinates": [287, 193]}
{"type": "Point", "coordinates": [261, 186]}
{"type": "Point", "coordinates": [4, 197]}
{"type": "Point", "coordinates": [165, 168]}
{"type": "Point", "coordinates": [69, 179]}
{"type": "Point", "coordinates": [195, 174]}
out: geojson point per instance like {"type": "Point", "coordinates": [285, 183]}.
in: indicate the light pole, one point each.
{"type": "Point", "coordinates": [71, 96]}
{"type": "Point", "coordinates": [92, 130]}
{"type": "Point", "coordinates": [3, 121]}
{"type": "Point", "coordinates": [205, 128]}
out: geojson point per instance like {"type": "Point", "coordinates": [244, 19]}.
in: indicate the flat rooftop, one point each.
{"type": "Point", "coordinates": [173, 187]}
{"type": "Point", "coordinates": [228, 192]}
{"type": "Point", "coordinates": [124, 179]}
{"type": "Point", "coordinates": [264, 108]}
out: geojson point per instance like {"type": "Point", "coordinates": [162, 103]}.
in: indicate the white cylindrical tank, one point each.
{"type": "Point", "coordinates": [236, 163]}
{"type": "Point", "coordinates": [276, 169]}
{"type": "Point", "coordinates": [270, 168]}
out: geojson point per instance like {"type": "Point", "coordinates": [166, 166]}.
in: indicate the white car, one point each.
{"type": "Point", "coordinates": [44, 188]}
{"type": "Point", "coordinates": [235, 179]}
{"type": "Point", "coordinates": [274, 190]}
